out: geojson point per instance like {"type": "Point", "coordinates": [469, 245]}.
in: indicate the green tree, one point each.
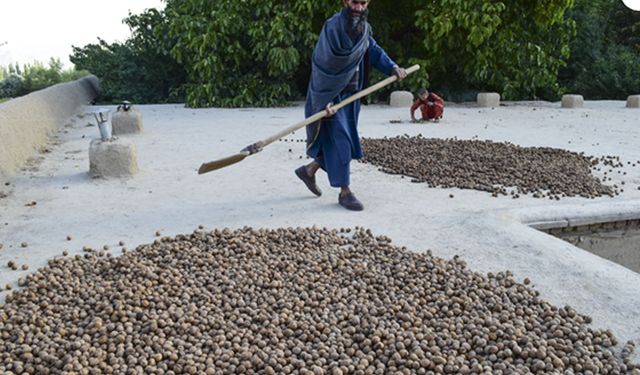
{"type": "Point", "coordinates": [257, 52]}
{"type": "Point", "coordinates": [514, 48]}
{"type": "Point", "coordinates": [243, 53]}
{"type": "Point", "coordinates": [139, 70]}
{"type": "Point", "coordinates": [605, 55]}
{"type": "Point", "coordinates": [20, 81]}
{"type": "Point", "coordinates": [11, 86]}
{"type": "Point", "coordinates": [624, 26]}
{"type": "Point", "coordinates": [37, 76]}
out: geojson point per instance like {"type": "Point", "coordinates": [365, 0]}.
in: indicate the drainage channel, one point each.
{"type": "Point", "coordinates": [617, 241]}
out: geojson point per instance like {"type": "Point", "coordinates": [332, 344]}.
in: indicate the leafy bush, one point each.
{"type": "Point", "coordinates": [11, 86]}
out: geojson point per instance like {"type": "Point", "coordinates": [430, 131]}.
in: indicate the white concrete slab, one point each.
{"type": "Point", "coordinates": [262, 191]}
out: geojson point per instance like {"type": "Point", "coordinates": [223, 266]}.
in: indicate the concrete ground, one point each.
{"type": "Point", "coordinates": [491, 234]}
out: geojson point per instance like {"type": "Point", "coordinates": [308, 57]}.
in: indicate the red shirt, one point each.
{"type": "Point", "coordinates": [429, 111]}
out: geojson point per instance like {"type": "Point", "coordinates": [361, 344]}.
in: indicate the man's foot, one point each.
{"type": "Point", "coordinates": [310, 181]}
{"type": "Point", "coordinates": [350, 202]}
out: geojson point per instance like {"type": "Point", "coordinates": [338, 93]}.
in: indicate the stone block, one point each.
{"type": "Point", "coordinates": [126, 122]}
{"type": "Point", "coordinates": [488, 99]}
{"type": "Point", "coordinates": [572, 101]}
{"type": "Point", "coordinates": [633, 101]}
{"type": "Point", "coordinates": [114, 158]}
{"type": "Point", "coordinates": [401, 99]}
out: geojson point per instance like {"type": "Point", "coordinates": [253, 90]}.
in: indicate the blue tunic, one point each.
{"type": "Point", "coordinates": [333, 142]}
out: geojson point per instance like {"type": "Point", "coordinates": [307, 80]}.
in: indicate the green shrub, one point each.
{"type": "Point", "coordinates": [12, 86]}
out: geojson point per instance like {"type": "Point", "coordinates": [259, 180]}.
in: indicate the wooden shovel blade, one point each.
{"type": "Point", "coordinates": [221, 163]}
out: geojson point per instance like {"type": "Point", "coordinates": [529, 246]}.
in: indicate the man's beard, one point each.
{"type": "Point", "coordinates": [357, 23]}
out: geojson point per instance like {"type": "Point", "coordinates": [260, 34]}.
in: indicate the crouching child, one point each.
{"type": "Point", "coordinates": [431, 106]}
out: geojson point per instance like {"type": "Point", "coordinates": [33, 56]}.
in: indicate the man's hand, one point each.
{"type": "Point", "coordinates": [329, 111]}
{"type": "Point", "coordinates": [400, 73]}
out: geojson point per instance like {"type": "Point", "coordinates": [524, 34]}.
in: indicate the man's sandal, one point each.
{"type": "Point", "coordinates": [310, 181]}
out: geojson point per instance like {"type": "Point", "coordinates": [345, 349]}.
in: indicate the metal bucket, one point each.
{"type": "Point", "coordinates": [106, 130]}
{"type": "Point", "coordinates": [104, 125]}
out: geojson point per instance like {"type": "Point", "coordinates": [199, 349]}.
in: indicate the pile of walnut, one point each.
{"type": "Point", "coordinates": [300, 301]}
{"type": "Point", "coordinates": [499, 168]}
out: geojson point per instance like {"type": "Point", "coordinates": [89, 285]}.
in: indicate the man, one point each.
{"type": "Point", "coordinates": [344, 50]}
{"type": "Point", "coordinates": [431, 106]}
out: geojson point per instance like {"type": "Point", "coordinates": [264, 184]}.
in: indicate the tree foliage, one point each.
{"type": "Point", "coordinates": [243, 53]}
{"type": "Point", "coordinates": [141, 69]}
{"type": "Point", "coordinates": [514, 48]}
{"type": "Point", "coordinates": [238, 53]}
{"type": "Point", "coordinates": [21, 80]}
{"type": "Point", "coordinates": [605, 55]}
{"type": "Point", "coordinates": [257, 52]}
{"type": "Point", "coordinates": [11, 86]}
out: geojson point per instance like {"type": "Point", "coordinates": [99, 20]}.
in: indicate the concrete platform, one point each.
{"type": "Point", "coordinates": [401, 99]}
{"type": "Point", "coordinates": [112, 158]}
{"type": "Point", "coordinates": [488, 99]}
{"type": "Point", "coordinates": [491, 234]}
{"type": "Point", "coordinates": [127, 122]}
{"type": "Point", "coordinates": [572, 101]}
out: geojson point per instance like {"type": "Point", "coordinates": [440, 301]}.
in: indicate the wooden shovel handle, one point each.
{"type": "Point", "coordinates": [316, 117]}
{"type": "Point", "coordinates": [258, 146]}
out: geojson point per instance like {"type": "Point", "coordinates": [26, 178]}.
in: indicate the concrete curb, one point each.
{"type": "Point", "coordinates": [579, 215]}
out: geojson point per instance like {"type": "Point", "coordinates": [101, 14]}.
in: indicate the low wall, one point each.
{"type": "Point", "coordinates": [617, 241]}
{"type": "Point", "coordinates": [27, 122]}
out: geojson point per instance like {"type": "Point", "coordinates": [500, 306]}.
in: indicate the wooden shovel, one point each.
{"type": "Point", "coordinates": [258, 146]}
